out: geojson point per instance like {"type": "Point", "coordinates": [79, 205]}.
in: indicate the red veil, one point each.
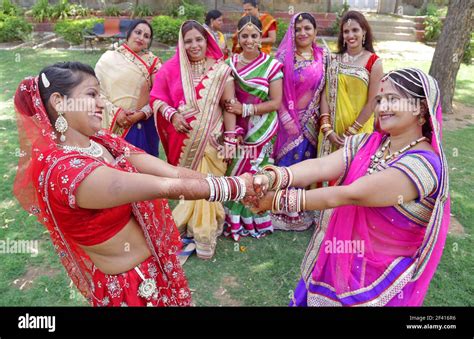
{"type": "Point", "coordinates": [39, 155]}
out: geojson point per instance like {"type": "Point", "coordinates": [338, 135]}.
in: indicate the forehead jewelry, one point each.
{"type": "Point", "coordinates": [250, 25]}
{"type": "Point", "coordinates": [300, 18]}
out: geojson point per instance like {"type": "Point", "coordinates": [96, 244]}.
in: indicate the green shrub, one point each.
{"type": "Point", "coordinates": [468, 52]}
{"type": "Point", "coordinates": [62, 10]}
{"type": "Point", "coordinates": [166, 29]}
{"type": "Point", "coordinates": [281, 31]}
{"type": "Point", "coordinates": [112, 11]}
{"type": "Point", "coordinates": [340, 11]}
{"type": "Point", "coordinates": [41, 10]}
{"type": "Point", "coordinates": [141, 11]}
{"type": "Point", "coordinates": [13, 28]}
{"type": "Point", "coordinates": [73, 30]}
{"type": "Point", "coordinates": [187, 10]}
{"type": "Point", "coordinates": [9, 8]}
{"type": "Point", "coordinates": [433, 26]}
{"type": "Point", "coordinates": [77, 10]}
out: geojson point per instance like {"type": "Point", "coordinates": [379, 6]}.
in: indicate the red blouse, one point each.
{"type": "Point", "coordinates": [63, 172]}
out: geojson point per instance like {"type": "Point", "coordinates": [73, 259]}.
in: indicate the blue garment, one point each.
{"type": "Point", "coordinates": [144, 136]}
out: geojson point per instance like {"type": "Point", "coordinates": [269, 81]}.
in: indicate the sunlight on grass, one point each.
{"type": "Point", "coordinates": [262, 267]}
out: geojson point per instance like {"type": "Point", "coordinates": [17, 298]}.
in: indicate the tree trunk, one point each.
{"type": "Point", "coordinates": [450, 49]}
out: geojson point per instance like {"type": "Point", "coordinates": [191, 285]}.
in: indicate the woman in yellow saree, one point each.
{"type": "Point", "coordinates": [126, 78]}
{"type": "Point", "coordinates": [186, 97]}
{"type": "Point", "coordinates": [351, 85]}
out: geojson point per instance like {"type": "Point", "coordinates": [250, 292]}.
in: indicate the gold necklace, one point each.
{"type": "Point", "coordinates": [305, 55]}
{"type": "Point", "coordinates": [376, 159]}
{"type": "Point", "coordinates": [198, 68]}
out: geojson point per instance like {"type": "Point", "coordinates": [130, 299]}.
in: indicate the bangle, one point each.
{"type": "Point", "coordinates": [226, 188]}
{"type": "Point", "coordinates": [324, 126]}
{"type": "Point", "coordinates": [357, 125]}
{"type": "Point", "coordinates": [328, 133]}
{"type": "Point", "coordinates": [283, 176]}
{"type": "Point", "coordinates": [168, 113]}
{"type": "Point", "coordinates": [147, 110]}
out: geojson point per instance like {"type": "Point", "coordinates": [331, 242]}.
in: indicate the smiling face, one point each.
{"type": "Point", "coordinates": [304, 33]}
{"type": "Point", "coordinates": [83, 108]}
{"type": "Point", "coordinates": [395, 112]}
{"type": "Point", "coordinates": [250, 10]}
{"type": "Point", "coordinates": [140, 38]}
{"type": "Point", "coordinates": [195, 44]}
{"type": "Point", "coordinates": [352, 34]}
{"type": "Point", "coordinates": [249, 39]}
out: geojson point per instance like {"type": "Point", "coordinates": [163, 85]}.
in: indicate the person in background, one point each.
{"type": "Point", "coordinates": [352, 79]}
{"type": "Point", "coordinates": [305, 65]}
{"type": "Point", "coordinates": [188, 99]}
{"type": "Point", "coordinates": [213, 23]}
{"type": "Point", "coordinates": [269, 28]}
{"type": "Point", "coordinates": [126, 77]}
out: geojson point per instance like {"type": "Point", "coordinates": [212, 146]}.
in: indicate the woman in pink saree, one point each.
{"type": "Point", "coordinates": [305, 65]}
{"type": "Point", "coordinates": [384, 224]}
{"type": "Point", "coordinates": [187, 98]}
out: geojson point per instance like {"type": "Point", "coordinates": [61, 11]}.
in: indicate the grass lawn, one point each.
{"type": "Point", "coordinates": [253, 272]}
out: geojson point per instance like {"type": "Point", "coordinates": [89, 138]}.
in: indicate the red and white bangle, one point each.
{"type": "Point", "coordinates": [168, 113]}
{"type": "Point", "coordinates": [289, 200]}
{"type": "Point", "coordinates": [226, 188]}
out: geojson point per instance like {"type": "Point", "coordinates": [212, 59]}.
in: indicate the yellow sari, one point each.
{"type": "Point", "coordinates": [347, 90]}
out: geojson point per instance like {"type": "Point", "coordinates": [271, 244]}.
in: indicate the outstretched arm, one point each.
{"type": "Point", "coordinates": [148, 164]}
{"type": "Point", "coordinates": [387, 188]}
{"type": "Point", "coordinates": [106, 187]}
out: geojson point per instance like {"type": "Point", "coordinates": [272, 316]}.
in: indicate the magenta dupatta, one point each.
{"type": "Point", "coordinates": [399, 258]}
{"type": "Point", "coordinates": [174, 86]}
{"type": "Point", "coordinates": [295, 89]}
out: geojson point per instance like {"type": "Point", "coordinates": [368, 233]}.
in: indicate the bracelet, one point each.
{"type": "Point", "coordinates": [328, 133]}
{"type": "Point", "coordinates": [324, 126]}
{"type": "Point", "coordinates": [168, 113]}
{"type": "Point", "coordinates": [226, 188]}
{"type": "Point", "coordinates": [147, 110]}
{"type": "Point", "coordinates": [248, 110]}
{"type": "Point", "coordinates": [289, 200]}
{"type": "Point", "coordinates": [270, 177]}
{"type": "Point", "coordinates": [283, 176]}
{"type": "Point", "coordinates": [357, 125]}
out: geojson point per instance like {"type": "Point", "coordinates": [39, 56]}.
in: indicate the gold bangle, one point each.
{"type": "Point", "coordinates": [323, 126]}
{"type": "Point", "coordinates": [328, 133]}
{"type": "Point", "coordinates": [357, 124]}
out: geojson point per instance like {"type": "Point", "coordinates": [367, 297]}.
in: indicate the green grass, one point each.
{"type": "Point", "coordinates": [253, 272]}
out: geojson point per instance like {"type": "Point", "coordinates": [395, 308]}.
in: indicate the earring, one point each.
{"type": "Point", "coordinates": [61, 126]}
{"type": "Point", "coordinates": [421, 121]}
{"type": "Point", "coordinates": [363, 40]}
{"type": "Point", "coordinates": [238, 45]}
{"type": "Point", "coordinates": [259, 45]}
{"type": "Point", "coordinates": [344, 44]}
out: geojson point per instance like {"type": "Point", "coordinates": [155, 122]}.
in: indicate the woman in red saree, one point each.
{"type": "Point", "coordinates": [385, 222]}
{"type": "Point", "coordinates": [100, 197]}
{"type": "Point", "coordinates": [187, 98]}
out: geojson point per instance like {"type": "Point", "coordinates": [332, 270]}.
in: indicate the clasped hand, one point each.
{"type": "Point", "coordinates": [257, 196]}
